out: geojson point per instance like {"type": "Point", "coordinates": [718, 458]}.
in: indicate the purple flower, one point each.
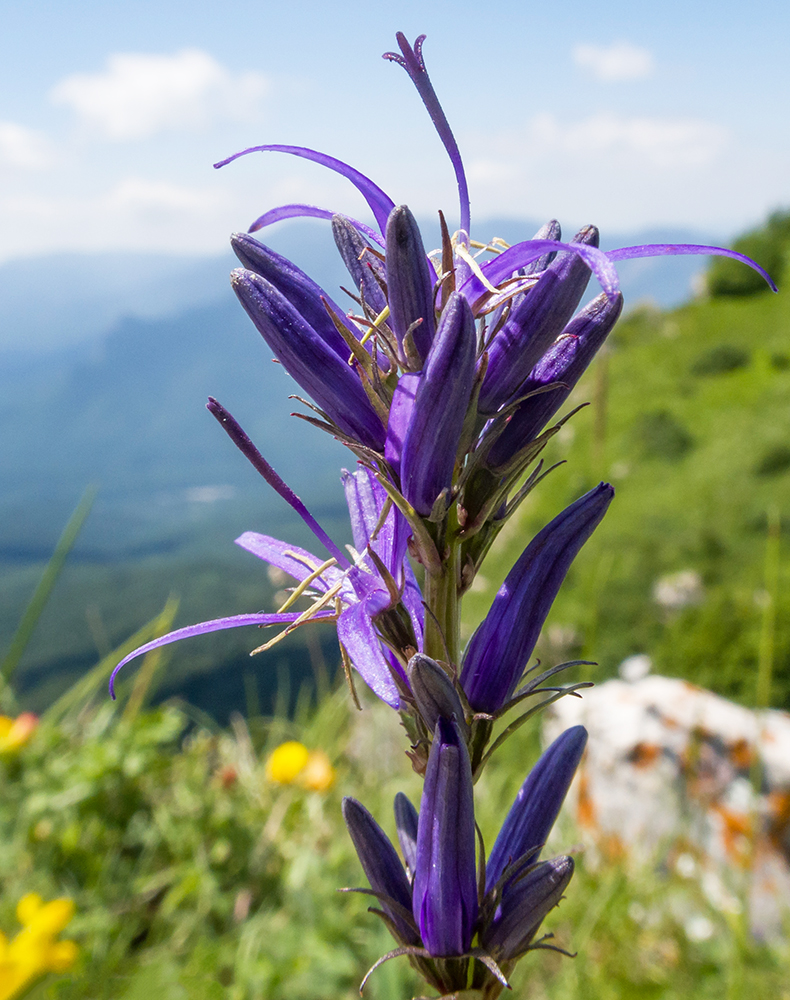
{"type": "Point", "coordinates": [536, 806]}
{"type": "Point", "coordinates": [409, 286]}
{"type": "Point", "coordinates": [561, 366]}
{"type": "Point", "coordinates": [441, 401]}
{"type": "Point", "coordinates": [310, 357]}
{"type": "Point", "coordinates": [445, 888]}
{"type": "Point", "coordinates": [523, 905]}
{"type": "Point", "coordinates": [365, 591]}
{"type": "Point", "coordinates": [501, 646]}
{"type": "Point", "coordinates": [383, 869]}
{"type": "Point", "coordinates": [535, 320]}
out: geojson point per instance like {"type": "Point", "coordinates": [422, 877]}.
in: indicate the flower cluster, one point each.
{"type": "Point", "coordinates": [445, 381]}
{"type": "Point", "coordinates": [35, 951]}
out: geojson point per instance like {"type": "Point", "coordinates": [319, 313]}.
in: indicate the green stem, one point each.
{"type": "Point", "coordinates": [443, 622]}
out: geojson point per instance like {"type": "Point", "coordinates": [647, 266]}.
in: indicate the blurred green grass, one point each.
{"type": "Point", "coordinates": [195, 877]}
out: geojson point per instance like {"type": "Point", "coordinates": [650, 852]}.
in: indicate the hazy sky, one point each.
{"type": "Point", "coordinates": [625, 114]}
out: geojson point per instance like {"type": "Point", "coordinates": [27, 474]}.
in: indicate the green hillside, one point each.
{"type": "Point", "coordinates": [689, 417]}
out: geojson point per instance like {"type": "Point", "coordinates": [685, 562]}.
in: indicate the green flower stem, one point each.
{"type": "Point", "coordinates": [442, 597]}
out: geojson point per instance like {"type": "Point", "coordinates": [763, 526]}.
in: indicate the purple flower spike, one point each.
{"type": "Point", "coordinates": [409, 281]}
{"type": "Point", "coordinates": [537, 805]}
{"type": "Point", "coordinates": [382, 866]}
{"type": "Point", "coordinates": [300, 290]}
{"type": "Point", "coordinates": [445, 890]}
{"type": "Point", "coordinates": [440, 405]}
{"type": "Point", "coordinates": [564, 364]}
{"type": "Point", "coordinates": [524, 905]}
{"type": "Point", "coordinates": [318, 369]}
{"type": "Point", "coordinates": [500, 648]}
{"type": "Point", "coordinates": [533, 323]}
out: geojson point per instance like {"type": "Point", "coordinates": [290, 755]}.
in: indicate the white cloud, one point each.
{"type": "Point", "coordinates": [135, 213]}
{"type": "Point", "coordinates": [139, 95]}
{"type": "Point", "coordinates": [661, 142]}
{"type": "Point", "coordinates": [23, 147]}
{"type": "Point", "coordinates": [618, 61]}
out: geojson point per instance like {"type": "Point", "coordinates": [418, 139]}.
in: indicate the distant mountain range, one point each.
{"type": "Point", "coordinates": [57, 301]}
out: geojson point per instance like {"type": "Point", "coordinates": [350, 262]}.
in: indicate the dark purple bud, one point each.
{"type": "Point", "coordinates": [536, 320]}
{"type": "Point", "coordinates": [361, 264]}
{"type": "Point", "coordinates": [300, 290]}
{"type": "Point", "coordinates": [308, 359]}
{"type": "Point", "coordinates": [440, 405]}
{"type": "Point", "coordinates": [565, 362]}
{"type": "Point", "coordinates": [537, 804]}
{"type": "Point", "coordinates": [445, 890]}
{"type": "Point", "coordinates": [500, 648]}
{"type": "Point", "coordinates": [381, 865]}
{"type": "Point", "coordinates": [434, 692]}
{"type": "Point", "coordinates": [406, 822]}
{"type": "Point", "coordinates": [409, 281]}
{"type": "Point", "coordinates": [523, 907]}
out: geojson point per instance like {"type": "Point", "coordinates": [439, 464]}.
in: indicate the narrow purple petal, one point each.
{"type": "Point", "coordinates": [521, 254]}
{"type": "Point", "coordinates": [298, 211]}
{"type": "Point", "coordinates": [203, 628]}
{"type": "Point", "coordinates": [366, 498]}
{"type": "Point", "coordinates": [445, 890]}
{"type": "Point", "coordinates": [410, 280]}
{"type": "Point", "coordinates": [677, 249]}
{"type": "Point", "coordinates": [537, 804]}
{"type": "Point", "coordinates": [500, 648]}
{"type": "Point", "coordinates": [239, 437]}
{"type": "Point", "coordinates": [295, 561]}
{"type": "Point", "coordinates": [414, 64]}
{"type": "Point", "coordinates": [413, 602]}
{"type": "Point", "coordinates": [381, 865]}
{"type": "Point", "coordinates": [440, 408]}
{"type": "Point", "coordinates": [322, 373]}
{"type": "Point", "coordinates": [380, 204]}
{"type": "Point", "coordinates": [355, 630]}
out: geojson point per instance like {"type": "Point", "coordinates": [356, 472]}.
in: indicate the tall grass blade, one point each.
{"type": "Point", "coordinates": [45, 584]}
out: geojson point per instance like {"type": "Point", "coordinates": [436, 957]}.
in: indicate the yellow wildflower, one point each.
{"type": "Point", "coordinates": [35, 951]}
{"type": "Point", "coordinates": [292, 763]}
{"type": "Point", "coordinates": [318, 774]}
{"type": "Point", "coordinates": [14, 733]}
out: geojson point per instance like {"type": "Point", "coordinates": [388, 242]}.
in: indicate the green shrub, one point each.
{"type": "Point", "coordinates": [766, 245]}
{"type": "Point", "coordinates": [720, 359]}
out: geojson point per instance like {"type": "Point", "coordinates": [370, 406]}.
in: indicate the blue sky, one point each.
{"type": "Point", "coordinates": [623, 114]}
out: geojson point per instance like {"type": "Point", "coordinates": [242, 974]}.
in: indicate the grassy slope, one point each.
{"type": "Point", "coordinates": [684, 450]}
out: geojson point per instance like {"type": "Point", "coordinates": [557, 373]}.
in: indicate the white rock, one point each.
{"type": "Point", "coordinates": [675, 773]}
